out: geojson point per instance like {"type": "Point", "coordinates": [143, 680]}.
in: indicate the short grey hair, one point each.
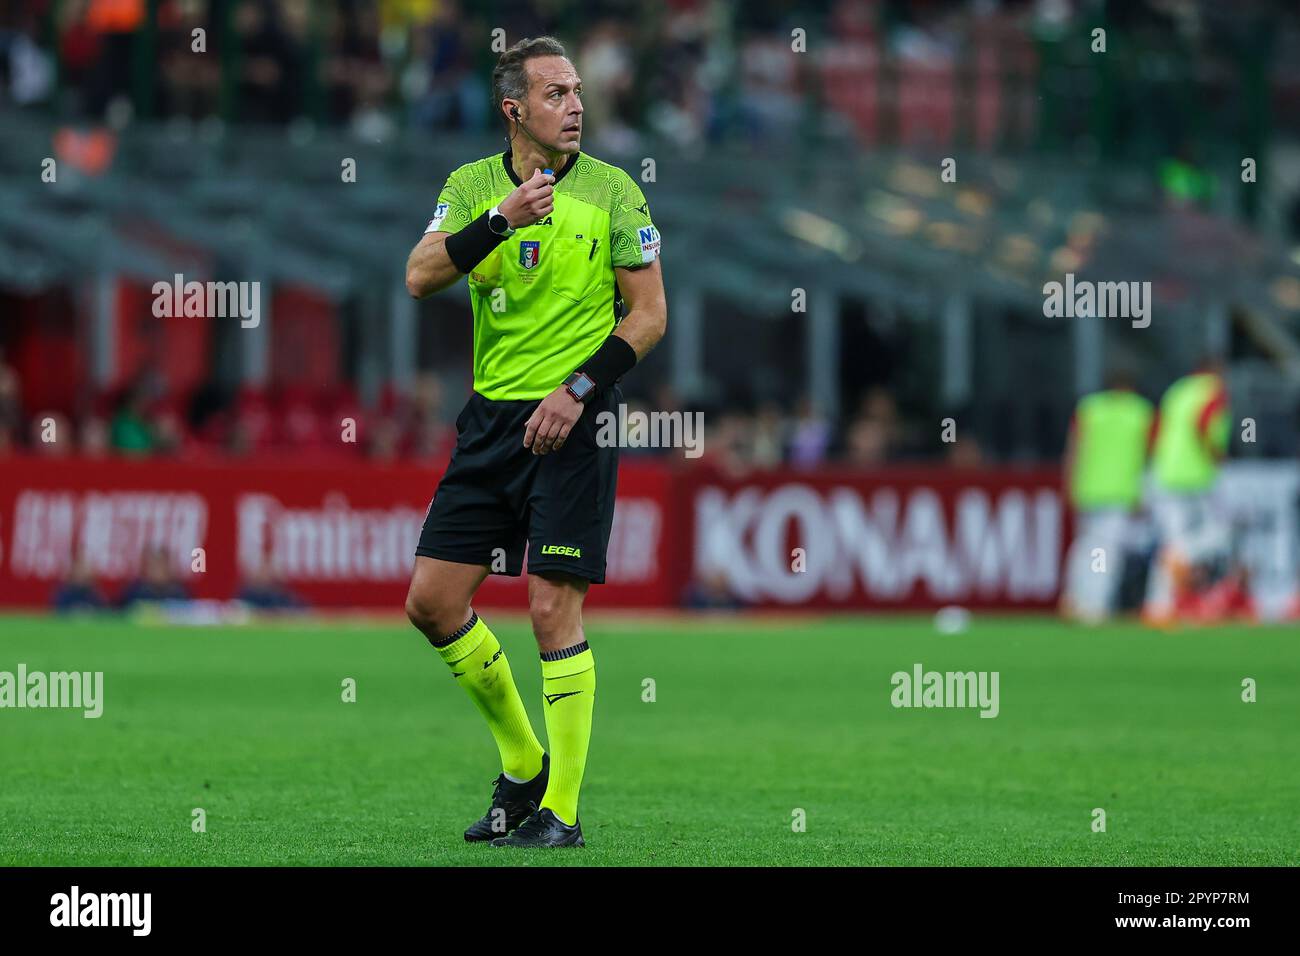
{"type": "Point", "coordinates": [510, 76]}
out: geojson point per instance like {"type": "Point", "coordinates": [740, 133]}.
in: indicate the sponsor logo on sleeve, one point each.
{"type": "Point", "coordinates": [439, 215]}
{"type": "Point", "coordinates": [649, 237]}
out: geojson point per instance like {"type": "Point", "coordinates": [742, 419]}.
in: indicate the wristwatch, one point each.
{"type": "Point", "coordinates": [580, 386]}
{"type": "Point", "coordinates": [499, 223]}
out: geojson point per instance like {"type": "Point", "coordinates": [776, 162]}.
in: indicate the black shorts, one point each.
{"type": "Point", "coordinates": [497, 496]}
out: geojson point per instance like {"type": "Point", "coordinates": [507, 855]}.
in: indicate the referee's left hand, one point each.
{"type": "Point", "coordinates": [550, 423]}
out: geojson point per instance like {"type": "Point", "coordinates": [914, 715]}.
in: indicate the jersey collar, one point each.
{"type": "Point", "coordinates": [510, 170]}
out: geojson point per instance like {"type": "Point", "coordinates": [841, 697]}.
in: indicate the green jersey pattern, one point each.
{"type": "Point", "coordinates": [543, 299]}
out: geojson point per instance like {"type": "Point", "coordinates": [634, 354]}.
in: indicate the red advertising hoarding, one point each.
{"type": "Point", "coordinates": [343, 535]}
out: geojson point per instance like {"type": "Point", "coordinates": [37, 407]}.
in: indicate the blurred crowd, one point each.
{"type": "Point", "coordinates": [875, 433]}
{"type": "Point", "coordinates": [143, 419]}
{"type": "Point", "coordinates": [160, 582]}
{"type": "Point", "coordinates": [680, 69]}
{"type": "Point", "coordinates": [417, 424]}
{"type": "Point", "coordinates": [688, 71]}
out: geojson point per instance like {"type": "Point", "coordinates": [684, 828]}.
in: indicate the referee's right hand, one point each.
{"type": "Point", "coordinates": [530, 201]}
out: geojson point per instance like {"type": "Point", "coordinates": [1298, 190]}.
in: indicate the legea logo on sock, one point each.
{"type": "Point", "coordinates": [922, 688]}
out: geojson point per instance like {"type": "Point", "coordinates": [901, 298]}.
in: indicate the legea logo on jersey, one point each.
{"type": "Point", "coordinates": [530, 252]}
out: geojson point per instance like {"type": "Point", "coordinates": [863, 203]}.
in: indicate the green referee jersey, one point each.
{"type": "Point", "coordinates": [543, 299]}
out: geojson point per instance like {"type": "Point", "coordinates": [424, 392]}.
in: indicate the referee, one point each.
{"type": "Point", "coordinates": [557, 245]}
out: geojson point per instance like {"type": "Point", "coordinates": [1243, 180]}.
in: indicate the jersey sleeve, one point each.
{"type": "Point", "coordinates": [634, 240]}
{"type": "Point", "coordinates": [452, 213]}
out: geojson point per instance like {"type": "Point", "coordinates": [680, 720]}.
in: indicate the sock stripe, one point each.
{"type": "Point", "coordinates": [565, 654]}
{"type": "Point", "coordinates": [458, 633]}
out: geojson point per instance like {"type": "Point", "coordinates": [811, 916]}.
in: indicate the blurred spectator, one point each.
{"type": "Point", "coordinates": [356, 76]}
{"type": "Point", "coordinates": [94, 437]}
{"type": "Point", "coordinates": [770, 88]}
{"type": "Point", "coordinates": [254, 423]}
{"type": "Point", "coordinates": [810, 436]}
{"type": "Point", "coordinates": [168, 430]}
{"type": "Point", "coordinates": [158, 581]}
{"type": "Point", "coordinates": [79, 592]}
{"type": "Point", "coordinates": [726, 443]}
{"type": "Point", "coordinates": [965, 452]}
{"type": "Point", "coordinates": [385, 439]}
{"type": "Point", "coordinates": [112, 25]}
{"type": "Point", "coordinates": [192, 82]}
{"type": "Point", "coordinates": [608, 77]}
{"type": "Point", "coordinates": [867, 442]}
{"type": "Point", "coordinates": [263, 590]}
{"type": "Point", "coordinates": [709, 591]}
{"type": "Point", "coordinates": [767, 447]}
{"type": "Point", "coordinates": [271, 69]}
{"type": "Point", "coordinates": [28, 69]}
{"type": "Point", "coordinates": [689, 62]}
{"type": "Point", "coordinates": [301, 424]}
{"type": "Point", "coordinates": [131, 431]}
{"type": "Point", "coordinates": [450, 91]}
{"type": "Point", "coordinates": [872, 435]}
{"type": "Point", "coordinates": [429, 437]}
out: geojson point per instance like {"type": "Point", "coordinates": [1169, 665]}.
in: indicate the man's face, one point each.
{"type": "Point", "coordinates": [554, 109]}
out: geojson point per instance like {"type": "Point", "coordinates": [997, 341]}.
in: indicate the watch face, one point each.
{"type": "Point", "coordinates": [498, 223]}
{"type": "Point", "coordinates": [581, 386]}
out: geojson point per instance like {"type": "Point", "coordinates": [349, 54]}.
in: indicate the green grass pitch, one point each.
{"type": "Point", "coordinates": [754, 719]}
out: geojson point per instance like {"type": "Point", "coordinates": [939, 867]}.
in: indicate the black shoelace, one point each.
{"type": "Point", "coordinates": [507, 804]}
{"type": "Point", "coordinates": [533, 826]}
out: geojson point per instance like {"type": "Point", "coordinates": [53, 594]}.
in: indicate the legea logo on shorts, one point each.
{"type": "Point", "coordinates": [562, 550]}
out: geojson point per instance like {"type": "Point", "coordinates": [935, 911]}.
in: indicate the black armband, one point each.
{"type": "Point", "coordinates": [609, 363]}
{"type": "Point", "coordinates": [472, 245]}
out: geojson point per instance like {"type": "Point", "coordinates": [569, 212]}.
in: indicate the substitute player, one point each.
{"type": "Point", "coordinates": [1106, 456]}
{"type": "Point", "coordinates": [556, 245]}
{"type": "Point", "coordinates": [1192, 435]}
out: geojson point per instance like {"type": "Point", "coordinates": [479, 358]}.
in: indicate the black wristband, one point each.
{"type": "Point", "coordinates": [471, 245]}
{"type": "Point", "coordinates": [609, 363]}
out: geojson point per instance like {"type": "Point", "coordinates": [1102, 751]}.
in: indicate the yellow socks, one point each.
{"type": "Point", "coordinates": [479, 665]}
{"type": "Point", "coordinates": [568, 692]}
